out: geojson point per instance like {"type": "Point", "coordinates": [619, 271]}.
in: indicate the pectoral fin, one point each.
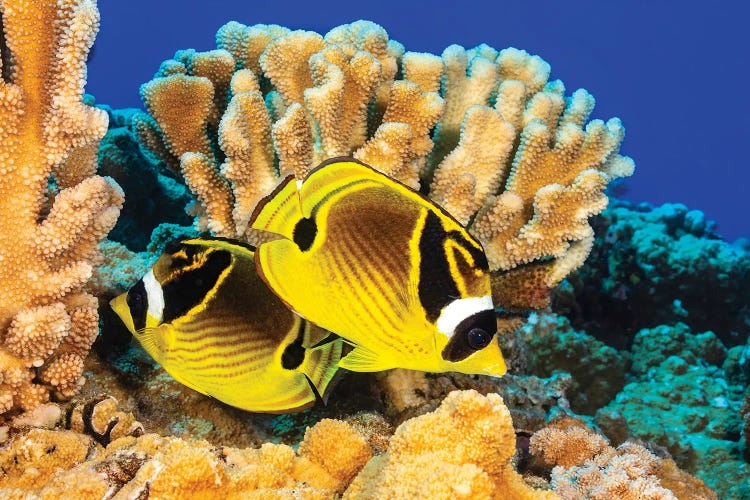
{"type": "Point", "coordinates": [364, 360]}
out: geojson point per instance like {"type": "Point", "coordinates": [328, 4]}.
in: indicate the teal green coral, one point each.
{"type": "Point", "coordinates": [678, 397]}
{"type": "Point", "coordinates": [598, 370]}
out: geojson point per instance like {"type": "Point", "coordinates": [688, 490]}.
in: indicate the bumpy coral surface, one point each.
{"type": "Point", "coordinates": [681, 397]}
{"type": "Point", "coordinates": [597, 370]}
{"type": "Point", "coordinates": [654, 266]}
{"type": "Point", "coordinates": [54, 210]}
{"type": "Point", "coordinates": [484, 133]}
{"type": "Point", "coordinates": [585, 466]}
{"type": "Point", "coordinates": [463, 449]}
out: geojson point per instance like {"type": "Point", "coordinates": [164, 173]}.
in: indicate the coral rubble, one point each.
{"type": "Point", "coordinates": [54, 210]}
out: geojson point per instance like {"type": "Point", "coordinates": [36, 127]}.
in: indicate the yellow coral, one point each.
{"type": "Point", "coordinates": [49, 241]}
{"type": "Point", "coordinates": [482, 132]}
{"type": "Point", "coordinates": [462, 450]}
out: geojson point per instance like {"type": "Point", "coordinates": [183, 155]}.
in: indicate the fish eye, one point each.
{"type": "Point", "coordinates": [137, 302]}
{"type": "Point", "coordinates": [478, 338]}
{"type": "Point", "coordinates": [472, 334]}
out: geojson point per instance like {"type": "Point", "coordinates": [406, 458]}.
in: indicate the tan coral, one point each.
{"type": "Point", "coordinates": [49, 241]}
{"type": "Point", "coordinates": [462, 450]}
{"type": "Point", "coordinates": [321, 103]}
{"type": "Point", "coordinates": [46, 463]}
{"type": "Point", "coordinates": [585, 466]}
{"type": "Point", "coordinates": [483, 132]}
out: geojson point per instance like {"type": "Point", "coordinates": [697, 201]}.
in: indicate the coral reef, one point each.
{"type": "Point", "coordinates": [553, 346]}
{"type": "Point", "coordinates": [678, 397]}
{"type": "Point", "coordinates": [483, 133]}
{"type": "Point", "coordinates": [154, 197]}
{"type": "Point", "coordinates": [657, 266]}
{"type": "Point", "coordinates": [584, 465]}
{"type": "Point", "coordinates": [54, 210]}
{"type": "Point", "coordinates": [463, 449]}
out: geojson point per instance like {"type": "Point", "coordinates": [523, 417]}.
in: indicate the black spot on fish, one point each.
{"type": "Point", "coordinates": [294, 354]}
{"type": "Point", "coordinates": [190, 287]}
{"type": "Point", "coordinates": [304, 233]}
{"type": "Point", "coordinates": [436, 286]}
{"type": "Point", "coordinates": [137, 301]}
{"type": "Point", "coordinates": [471, 335]}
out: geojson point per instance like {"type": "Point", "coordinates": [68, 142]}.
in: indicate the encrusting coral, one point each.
{"type": "Point", "coordinates": [481, 132]}
{"type": "Point", "coordinates": [330, 460]}
{"type": "Point", "coordinates": [53, 209]}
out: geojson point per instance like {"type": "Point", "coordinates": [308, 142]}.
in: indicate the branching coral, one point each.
{"type": "Point", "coordinates": [53, 209]}
{"type": "Point", "coordinates": [483, 133]}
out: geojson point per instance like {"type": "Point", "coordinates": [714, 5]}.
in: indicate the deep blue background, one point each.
{"type": "Point", "coordinates": [674, 72]}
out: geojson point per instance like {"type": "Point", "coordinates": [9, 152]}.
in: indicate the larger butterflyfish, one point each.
{"type": "Point", "coordinates": [203, 313]}
{"type": "Point", "coordinates": [375, 262]}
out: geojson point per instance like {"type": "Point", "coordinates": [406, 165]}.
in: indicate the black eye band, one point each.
{"type": "Point", "coordinates": [173, 246]}
{"type": "Point", "coordinates": [471, 335]}
{"type": "Point", "coordinates": [137, 301]}
{"type": "Point", "coordinates": [189, 288]}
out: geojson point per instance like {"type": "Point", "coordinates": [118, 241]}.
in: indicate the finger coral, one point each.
{"type": "Point", "coordinates": [482, 132]}
{"type": "Point", "coordinates": [54, 210]}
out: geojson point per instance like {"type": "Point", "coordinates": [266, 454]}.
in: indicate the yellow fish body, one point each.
{"type": "Point", "coordinates": [383, 267]}
{"type": "Point", "coordinates": [203, 313]}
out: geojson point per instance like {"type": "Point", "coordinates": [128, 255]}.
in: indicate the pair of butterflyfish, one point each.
{"type": "Point", "coordinates": [364, 274]}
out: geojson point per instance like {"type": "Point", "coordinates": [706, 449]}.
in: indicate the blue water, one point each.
{"type": "Point", "coordinates": [675, 73]}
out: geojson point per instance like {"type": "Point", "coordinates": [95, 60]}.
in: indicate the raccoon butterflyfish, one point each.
{"type": "Point", "coordinates": [203, 313]}
{"type": "Point", "coordinates": [388, 270]}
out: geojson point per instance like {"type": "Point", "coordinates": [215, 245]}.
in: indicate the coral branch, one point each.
{"type": "Point", "coordinates": [483, 133]}
{"type": "Point", "coordinates": [47, 321]}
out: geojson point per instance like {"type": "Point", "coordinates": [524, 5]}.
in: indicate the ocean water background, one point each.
{"type": "Point", "coordinates": [674, 72]}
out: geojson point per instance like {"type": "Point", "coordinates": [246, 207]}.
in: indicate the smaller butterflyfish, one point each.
{"type": "Point", "coordinates": [375, 262]}
{"type": "Point", "coordinates": [203, 313]}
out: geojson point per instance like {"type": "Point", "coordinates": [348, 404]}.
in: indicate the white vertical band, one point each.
{"type": "Point", "coordinates": [460, 309]}
{"type": "Point", "coordinates": [154, 295]}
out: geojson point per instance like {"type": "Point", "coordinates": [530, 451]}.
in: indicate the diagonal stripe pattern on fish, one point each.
{"type": "Point", "coordinates": [203, 313]}
{"type": "Point", "coordinates": [368, 258]}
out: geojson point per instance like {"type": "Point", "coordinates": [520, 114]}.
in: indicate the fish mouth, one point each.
{"type": "Point", "coordinates": [495, 370]}
{"type": "Point", "coordinates": [120, 306]}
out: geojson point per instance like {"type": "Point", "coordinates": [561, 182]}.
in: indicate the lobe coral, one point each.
{"type": "Point", "coordinates": [53, 209]}
{"type": "Point", "coordinates": [482, 132]}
